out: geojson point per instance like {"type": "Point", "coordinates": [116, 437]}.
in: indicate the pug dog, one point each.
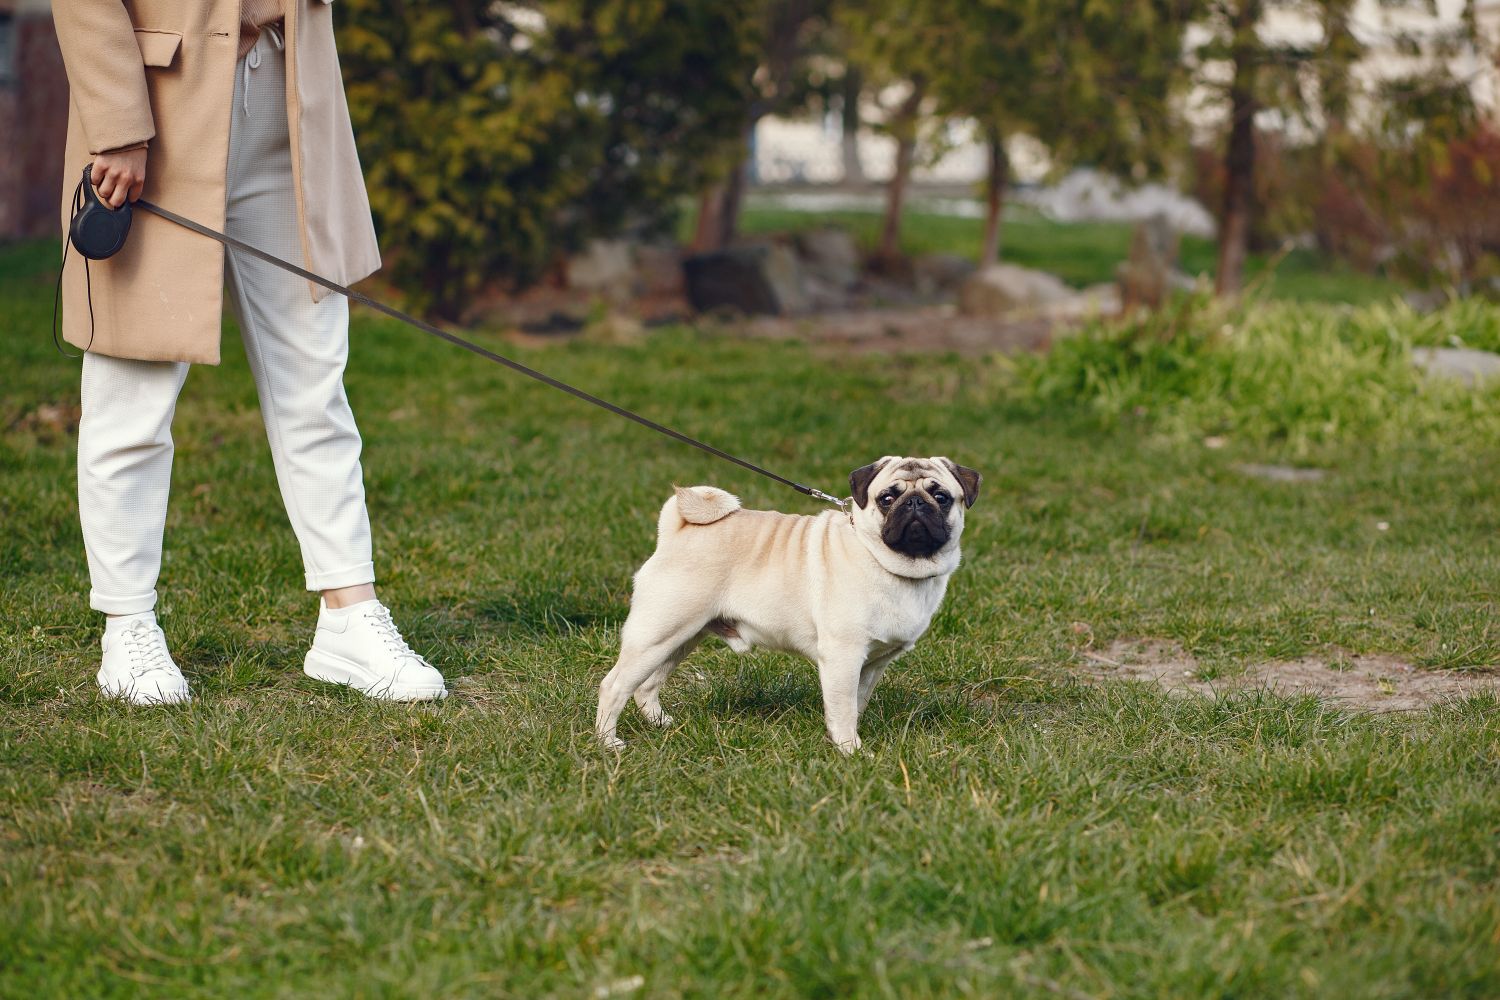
{"type": "Point", "coordinates": [849, 591]}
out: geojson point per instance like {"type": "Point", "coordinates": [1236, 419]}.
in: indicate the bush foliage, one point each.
{"type": "Point", "coordinates": [495, 137]}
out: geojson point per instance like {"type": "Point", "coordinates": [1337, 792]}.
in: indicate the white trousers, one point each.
{"type": "Point", "coordinates": [296, 349]}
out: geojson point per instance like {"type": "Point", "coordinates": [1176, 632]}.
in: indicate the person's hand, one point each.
{"type": "Point", "coordinates": [119, 176]}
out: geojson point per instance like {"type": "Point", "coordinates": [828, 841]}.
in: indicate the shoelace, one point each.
{"type": "Point", "coordinates": [380, 617]}
{"type": "Point", "coordinates": [148, 651]}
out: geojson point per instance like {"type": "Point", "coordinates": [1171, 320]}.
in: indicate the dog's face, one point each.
{"type": "Point", "coordinates": [916, 505]}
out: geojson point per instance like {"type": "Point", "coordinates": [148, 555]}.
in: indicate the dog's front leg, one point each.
{"type": "Point", "coordinates": [870, 675]}
{"type": "Point", "coordinates": [838, 672]}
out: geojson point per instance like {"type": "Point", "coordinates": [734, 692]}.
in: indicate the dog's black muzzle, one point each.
{"type": "Point", "coordinates": [915, 527]}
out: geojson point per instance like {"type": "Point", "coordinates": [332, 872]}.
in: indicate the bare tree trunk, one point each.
{"type": "Point", "coordinates": [853, 86]}
{"type": "Point", "coordinates": [996, 184]}
{"type": "Point", "coordinates": [709, 227]}
{"type": "Point", "coordinates": [905, 128]}
{"type": "Point", "coordinates": [734, 191]}
{"type": "Point", "coordinates": [1239, 160]}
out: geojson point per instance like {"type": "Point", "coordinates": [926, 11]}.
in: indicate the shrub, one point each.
{"type": "Point", "coordinates": [1431, 215]}
{"type": "Point", "coordinates": [1293, 376]}
{"type": "Point", "coordinates": [496, 137]}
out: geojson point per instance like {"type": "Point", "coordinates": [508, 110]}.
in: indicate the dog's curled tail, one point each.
{"type": "Point", "coordinates": [695, 505]}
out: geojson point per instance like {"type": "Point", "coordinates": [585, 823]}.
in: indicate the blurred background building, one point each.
{"type": "Point", "coordinates": [33, 119]}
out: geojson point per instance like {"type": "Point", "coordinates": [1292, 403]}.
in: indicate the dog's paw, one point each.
{"type": "Point", "coordinates": [612, 743]}
{"type": "Point", "coordinates": [660, 719]}
{"type": "Point", "coordinates": [848, 747]}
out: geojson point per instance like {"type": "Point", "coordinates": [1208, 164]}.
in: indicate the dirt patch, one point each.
{"type": "Point", "coordinates": [1370, 683]}
{"type": "Point", "coordinates": [116, 803]}
{"type": "Point", "coordinates": [50, 422]}
{"type": "Point", "coordinates": [905, 330]}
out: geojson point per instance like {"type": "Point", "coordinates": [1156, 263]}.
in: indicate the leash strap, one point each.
{"type": "Point", "coordinates": [88, 282]}
{"type": "Point", "coordinates": [468, 345]}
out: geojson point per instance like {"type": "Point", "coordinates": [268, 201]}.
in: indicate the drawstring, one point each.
{"type": "Point", "coordinates": [252, 61]}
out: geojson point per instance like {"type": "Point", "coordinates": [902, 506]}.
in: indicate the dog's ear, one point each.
{"type": "Point", "coordinates": [860, 480]}
{"type": "Point", "coordinates": [967, 478]}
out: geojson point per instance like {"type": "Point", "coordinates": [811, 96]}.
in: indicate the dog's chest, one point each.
{"type": "Point", "coordinates": [903, 614]}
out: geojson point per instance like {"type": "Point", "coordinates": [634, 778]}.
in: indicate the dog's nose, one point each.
{"type": "Point", "coordinates": [915, 503]}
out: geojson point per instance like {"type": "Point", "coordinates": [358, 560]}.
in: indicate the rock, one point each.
{"type": "Point", "coordinates": [1092, 302]}
{"type": "Point", "coordinates": [1181, 281]}
{"type": "Point", "coordinates": [606, 269]}
{"type": "Point", "coordinates": [939, 273]}
{"type": "Point", "coordinates": [1425, 301]}
{"type": "Point", "coordinates": [616, 328]}
{"type": "Point", "coordinates": [1146, 278]}
{"type": "Point", "coordinates": [1281, 473]}
{"type": "Point", "coordinates": [1005, 288]}
{"type": "Point", "coordinates": [830, 255]}
{"type": "Point", "coordinates": [1459, 364]}
{"type": "Point", "coordinates": [754, 279]}
{"type": "Point", "coordinates": [824, 295]}
{"type": "Point", "coordinates": [658, 269]}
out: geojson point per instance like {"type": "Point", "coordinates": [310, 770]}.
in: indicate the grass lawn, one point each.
{"type": "Point", "coordinates": [1012, 830]}
{"type": "Point", "coordinates": [1083, 253]}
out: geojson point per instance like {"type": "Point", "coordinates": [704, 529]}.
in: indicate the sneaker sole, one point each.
{"type": "Point", "coordinates": [321, 666]}
{"type": "Point", "coordinates": [134, 697]}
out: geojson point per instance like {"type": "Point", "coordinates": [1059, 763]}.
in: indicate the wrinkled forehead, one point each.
{"type": "Point", "coordinates": [915, 472]}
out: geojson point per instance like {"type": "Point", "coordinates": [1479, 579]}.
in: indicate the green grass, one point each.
{"type": "Point", "coordinates": [1085, 253]}
{"type": "Point", "coordinates": [1012, 831]}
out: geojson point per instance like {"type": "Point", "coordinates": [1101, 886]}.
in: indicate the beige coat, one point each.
{"type": "Point", "coordinates": [163, 70]}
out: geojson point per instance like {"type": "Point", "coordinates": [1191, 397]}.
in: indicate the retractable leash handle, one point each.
{"type": "Point", "coordinates": [97, 231]}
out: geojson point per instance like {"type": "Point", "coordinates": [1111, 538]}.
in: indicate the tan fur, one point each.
{"type": "Point", "coordinates": [826, 586]}
{"type": "Point", "coordinates": [695, 505]}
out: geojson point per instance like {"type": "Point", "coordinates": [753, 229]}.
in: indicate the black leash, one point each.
{"type": "Point", "coordinates": [468, 345]}
{"type": "Point", "coordinates": [88, 279]}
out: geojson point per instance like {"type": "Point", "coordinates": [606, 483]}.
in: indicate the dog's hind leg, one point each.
{"type": "Point", "coordinates": [645, 661]}
{"type": "Point", "coordinates": [647, 695]}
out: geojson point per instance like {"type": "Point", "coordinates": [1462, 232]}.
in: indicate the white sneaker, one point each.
{"type": "Point", "coordinates": [138, 668]}
{"type": "Point", "coordinates": [360, 646]}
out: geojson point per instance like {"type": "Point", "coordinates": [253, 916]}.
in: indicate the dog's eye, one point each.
{"type": "Point", "coordinates": [885, 499]}
{"type": "Point", "coordinates": [942, 498]}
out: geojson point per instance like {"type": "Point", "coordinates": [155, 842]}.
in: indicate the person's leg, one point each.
{"type": "Point", "coordinates": [124, 475]}
{"type": "Point", "coordinates": [297, 351]}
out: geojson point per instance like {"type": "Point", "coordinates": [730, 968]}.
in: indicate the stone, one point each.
{"type": "Point", "coordinates": [830, 255]}
{"type": "Point", "coordinates": [1459, 364]}
{"type": "Point", "coordinates": [939, 273]}
{"type": "Point", "coordinates": [605, 269]}
{"type": "Point", "coordinates": [1146, 277]}
{"type": "Point", "coordinates": [755, 279]}
{"type": "Point", "coordinates": [1181, 281]}
{"type": "Point", "coordinates": [658, 269]}
{"type": "Point", "coordinates": [1425, 301]}
{"type": "Point", "coordinates": [1006, 288]}
{"type": "Point", "coordinates": [1090, 303]}
{"type": "Point", "coordinates": [615, 328]}
{"type": "Point", "coordinates": [824, 295]}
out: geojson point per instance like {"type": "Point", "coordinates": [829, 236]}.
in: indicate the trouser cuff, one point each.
{"type": "Point", "coordinates": [115, 605]}
{"type": "Point", "coordinates": [353, 576]}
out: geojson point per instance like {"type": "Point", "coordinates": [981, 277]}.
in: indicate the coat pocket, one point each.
{"type": "Point", "coordinates": [158, 48]}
